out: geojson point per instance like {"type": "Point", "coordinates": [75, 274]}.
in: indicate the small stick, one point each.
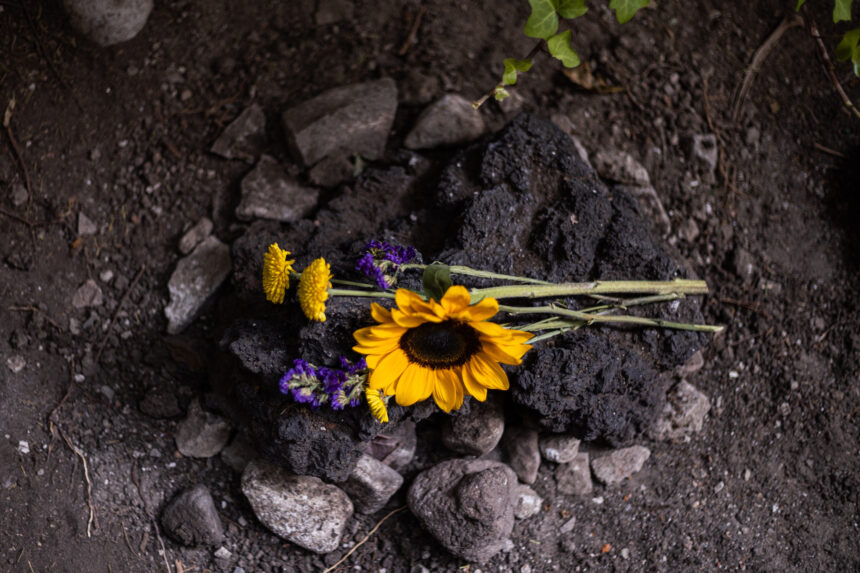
{"type": "Point", "coordinates": [30, 308]}
{"type": "Point", "coordinates": [116, 311]}
{"type": "Point", "coordinates": [362, 542]}
{"type": "Point", "coordinates": [828, 151]}
{"type": "Point", "coordinates": [7, 124]}
{"type": "Point", "coordinates": [758, 59]}
{"type": "Point", "coordinates": [828, 64]}
{"type": "Point", "coordinates": [413, 31]}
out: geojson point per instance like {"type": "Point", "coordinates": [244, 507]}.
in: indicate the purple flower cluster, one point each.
{"type": "Point", "coordinates": [308, 384]}
{"type": "Point", "coordinates": [381, 261]}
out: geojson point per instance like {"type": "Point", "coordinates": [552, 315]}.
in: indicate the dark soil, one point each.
{"type": "Point", "coordinates": [122, 134]}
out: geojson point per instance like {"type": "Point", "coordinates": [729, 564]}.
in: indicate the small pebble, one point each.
{"type": "Point", "coordinates": [16, 363]}
{"type": "Point", "coordinates": [223, 553]}
{"type": "Point", "coordinates": [23, 447]}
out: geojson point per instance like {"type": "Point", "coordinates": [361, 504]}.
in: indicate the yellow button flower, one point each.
{"type": "Point", "coordinates": [314, 283]}
{"type": "Point", "coordinates": [377, 404]}
{"type": "Point", "coordinates": [276, 273]}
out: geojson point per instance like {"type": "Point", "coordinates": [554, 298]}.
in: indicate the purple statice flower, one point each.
{"type": "Point", "coordinates": [354, 378]}
{"type": "Point", "coordinates": [314, 386]}
{"type": "Point", "coordinates": [305, 383]}
{"type": "Point", "coordinates": [381, 261]}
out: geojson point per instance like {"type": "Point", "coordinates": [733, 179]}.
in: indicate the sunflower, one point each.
{"type": "Point", "coordinates": [443, 349]}
{"type": "Point", "coordinates": [276, 273]}
{"type": "Point", "coordinates": [377, 404]}
{"type": "Point", "coordinates": [314, 283]}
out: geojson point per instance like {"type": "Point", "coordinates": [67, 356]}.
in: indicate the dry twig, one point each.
{"type": "Point", "coordinates": [413, 31]}
{"type": "Point", "coordinates": [116, 311]}
{"type": "Point", "coordinates": [363, 541]}
{"type": "Point", "coordinates": [34, 309]}
{"type": "Point", "coordinates": [828, 64]}
{"type": "Point", "coordinates": [758, 59]}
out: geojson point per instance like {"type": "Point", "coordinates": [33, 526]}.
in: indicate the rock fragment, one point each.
{"type": "Point", "coordinates": [269, 193]}
{"type": "Point", "coordinates": [574, 477]}
{"type": "Point", "coordinates": [108, 22]}
{"type": "Point", "coordinates": [19, 194]}
{"type": "Point", "coordinates": [397, 449]}
{"type": "Point", "coordinates": [195, 235]}
{"type": "Point", "coordinates": [345, 121]}
{"type": "Point", "coordinates": [478, 432]}
{"type": "Point", "coordinates": [620, 167]}
{"type": "Point", "coordinates": [196, 278]}
{"type": "Point", "coordinates": [521, 448]}
{"type": "Point", "coordinates": [451, 120]}
{"type": "Point", "coordinates": [245, 137]}
{"type": "Point", "coordinates": [301, 509]}
{"type": "Point", "coordinates": [704, 149]}
{"type": "Point", "coordinates": [86, 225]}
{"type": "Point", "coordinates": [16, 363]}
{"type": "Point", "coordinates": [559, 448]}
{"type": "Point", "coordinates": [683, 415]}
{"type": "Point", "coordinates": [467, 505]}
{"type": "Point", "coordinates": [191, 518]}
{"type": "Point", "coordinates": [239, 453]}
{"type": "Point", "coordinates": [528, 503]}
{"type": "Point", "coordinates": [201, 434]}
{"type": "Point", "coordinates": [650, 203]}
{"type": "Point", "coordinates": [88, 294]}
{"type": "Point", "coordinates": [620, 464]}
{"type": "Point", "coordinates": [371, 484]}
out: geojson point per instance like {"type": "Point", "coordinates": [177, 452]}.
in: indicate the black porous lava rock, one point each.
{"type": "Point", "coordinates": [518, 202]}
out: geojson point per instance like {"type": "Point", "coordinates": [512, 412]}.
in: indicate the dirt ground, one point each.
{"type": "Point", "coordinates": [121, 135]}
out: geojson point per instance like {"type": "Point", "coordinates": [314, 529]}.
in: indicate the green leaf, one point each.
{"type": "Point", "coordinates": [842, 10]}
{"type": "Point", "coordinates": [571, 9]}
{"type": "Point", "coordinates": [800, 4]}
{"type": "Point", "coordinates": [512, 66]}
{"type": "Point", "coordinates": [436, 280]}
{"type": "Point", "coordinates": [848, 49]}
{"type": "Point", "coordinates": [559, 47]}
{"type": "Point", "coordinates": [626, 9]}
{"type": "Point", "coordinates": [500, 93]}
{"type": "Point", "coordinates": [543, 21]}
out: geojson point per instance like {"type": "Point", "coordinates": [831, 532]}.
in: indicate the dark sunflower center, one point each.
{"type": "Point", "coordinates": [440, 344]}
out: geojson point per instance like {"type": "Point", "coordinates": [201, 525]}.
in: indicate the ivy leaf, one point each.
{"type": "Point", "coordinates": [571, 9]}
{"type": "Point", "coordinates": [559, 47]}
{"type": "Point", "coordinates": [800, 4]}
{"type": "Point", "coordinates": [436, 280]}
{"type": "Point", "coordinates": [626, 9]}
{"type": "Point", "coordinates": [848, 48]}
{"type": "Point", "coordinates": [842, 10]}
{"type": "Point", "coordinates": [500, 93]}
{"type": "Point", "coordinates": [543, 21]}
{"type": "Point", "coordinates": [512, 66]}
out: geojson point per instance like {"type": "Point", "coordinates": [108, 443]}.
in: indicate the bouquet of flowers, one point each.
{"type": "Point", "coordinates": [441, 341]}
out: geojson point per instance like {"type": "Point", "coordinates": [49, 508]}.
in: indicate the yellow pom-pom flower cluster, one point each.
{"type": "Point", "coordinates": [313, 289]}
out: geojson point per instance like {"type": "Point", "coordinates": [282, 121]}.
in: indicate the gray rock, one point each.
{"type": "Point", "coordinates": [88, 294]}
{"type": "Point", "coordinates": [19, 194]}
{"type": "Point", "coordinates": [521, 449]}
{"type": "Point", "coordinates": [528, 503]}
{"type": "Point", "coordinates": [478, 432]}
{"type": "Point", "coordinates": [559, 448]}
{"type": "Point", "coordinates": [688, 230]}
{"type": "Point", "coordinates": [704, 149]}
{"type": "Point", "coordinates": [574, 477]}
{"type": "Point", "coordinates": [86, 225]}
{"type": "Point", "coordinates": [620, 464]}
{"type": "Point", "coordinates": [201, 434]}
{"type": "Point", "coordinates": [191, 518]}
{"type": "Point", "coordinates": [301, 509]}
{"type": "Point", "coordinates": [108, 22]}
{"type": "Point", "coordinates": [396, 447]}
{"type": "Point", "coordinates": [349, 120]}
{"type": "Point", "coordinates": [16, 363]}
{"type": "Point", "coordinates": [467, 505]}
{"type": "Point", "coordinates": [683, 415]}
{"type": "Point", "coordinates": [239, 453]}
{"type": "Point", "coordinates": [332, 171]}
{"type": "Point", "coordinates": [620, 167]}
{"type": "Point", "coordinates": [743, 263]}
{"type": "Point", "coordinates": [195, 235]}
{"type": "Point", "coordinates": [269, 193]}
{"type": "Point", "coordinates": [650, 203]}
{"type": "Point", "coordinates": [196, 278]}
{"type": "Point", "coordinates": [371, 484]}
{"type": "Point", "coordinates": [692, 365]}
{"type": "Point", "coordinates": [332, 11]}
{"type": "Point", "coordinates": [245, 137]}
{"type": "Point", "coordinates": [451, 120]}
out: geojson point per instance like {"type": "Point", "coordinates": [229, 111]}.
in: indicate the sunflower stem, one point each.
{"type": "Point", "coordinates": [347, 292]}
{"type": "Point", "coordinates": [590, 318]}
{"type": "Point", "coordinates": [352, 283]}
{"type": "Point", "coordinates": [468, 271]}
{"type": "Point", "coordinates": [677, 286]}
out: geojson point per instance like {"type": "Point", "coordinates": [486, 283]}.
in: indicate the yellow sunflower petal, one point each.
{"type": "Point", "coordinates": [486, 308]}
{"type": "Point", "coordinates": [489, 328]}
{"type": "Point", "coordinates": [473, 387]}
{"type": "Point", "coordinates": [411, 320]}
{"type": "Point", "coordinates": [414, 385]}
{"type": "Point", "coordinates": [387, 370]}
{"type": "Point", "coordinates": [380, 313]}
{"type": "Point", "coordinates": [499, 354]}
{"type": "Point", "coordinates": [405, 299]}
{"type": "Point", "coordinates": [488, 373]}
{"type": "Point", "coordinates": [456, 298]}
{"type": "Point", "coordinates": [448, 390]}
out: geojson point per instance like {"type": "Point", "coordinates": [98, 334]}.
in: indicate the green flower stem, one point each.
{"type": "Point", "coordinates": [677, 286]}
{"type": "Point", "coordinates": [347, 292]}
{"type": "Point", "coordinates": [468, 271]}
{"type": "Point", "coordinates": [548, 335]}
{"type": "Point", "coordinates": [590, 318]}
{"type": "Point", "coordinates": [352, 283]}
